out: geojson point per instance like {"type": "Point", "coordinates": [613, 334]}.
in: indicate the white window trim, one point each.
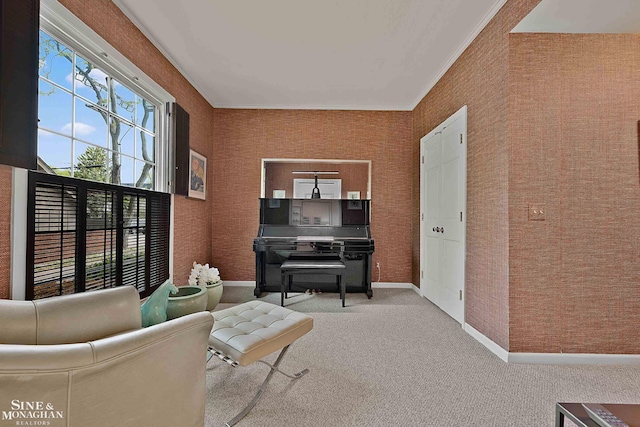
{"type": "Point", "coordinates": [70, 30]}
{"type": "Point", "coordinates": [19, 194]}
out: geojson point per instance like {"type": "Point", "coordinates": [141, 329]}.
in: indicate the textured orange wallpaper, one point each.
{"type": "Point", "coordinates": [478, 79]}
{"type": "Point", "coordinates": [574, 111]}
{"type": "Point", "coordinates": [243, 137]}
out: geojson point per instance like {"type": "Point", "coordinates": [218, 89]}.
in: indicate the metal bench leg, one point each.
{"type": "Point", "coordinates": [282, 287]}
{"type": "Point", "coordinates": [274, 368]}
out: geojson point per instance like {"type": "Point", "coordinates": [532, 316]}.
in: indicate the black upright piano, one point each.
{"type": "Point", "coordinates": [314, 229]}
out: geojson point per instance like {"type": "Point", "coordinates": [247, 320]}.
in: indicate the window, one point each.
{"type": "Point", "coordinates": [97, 212]}
{"type": "Point", "coordinates": [100, 117]}
{"type": "Point", "coordinates": [91, 125]}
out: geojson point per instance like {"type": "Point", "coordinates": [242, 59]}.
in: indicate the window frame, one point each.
{"type": "Point", "coordinates": [60, 23]}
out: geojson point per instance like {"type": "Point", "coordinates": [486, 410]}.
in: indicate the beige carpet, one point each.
{"type": "Point", "coordinates": [398, 360]}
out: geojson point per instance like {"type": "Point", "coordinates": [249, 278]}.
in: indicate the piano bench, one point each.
{"type": "Point", "coordinates": [312, 266]}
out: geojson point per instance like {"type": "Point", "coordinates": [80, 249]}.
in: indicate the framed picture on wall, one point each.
{"type": "Point", "coordinates": [197, 175]}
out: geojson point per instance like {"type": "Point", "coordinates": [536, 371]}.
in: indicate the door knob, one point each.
{"type": "Point", "coordinates": [434, 229]}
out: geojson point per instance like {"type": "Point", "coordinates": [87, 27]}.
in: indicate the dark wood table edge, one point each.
{"type": "Point", "coordinates": [627, 412]}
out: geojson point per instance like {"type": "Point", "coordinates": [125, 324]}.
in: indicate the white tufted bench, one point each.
{"type": "Point", "coordinates": [246, 333]}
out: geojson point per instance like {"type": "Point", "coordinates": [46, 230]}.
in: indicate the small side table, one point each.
{"type": "Point", "coordinates": [628, 413]}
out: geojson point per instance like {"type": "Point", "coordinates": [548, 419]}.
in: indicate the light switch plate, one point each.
{"type": "Point", "coordinates": [537, 211]}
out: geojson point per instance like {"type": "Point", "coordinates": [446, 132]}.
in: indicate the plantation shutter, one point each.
{"type": "Point", "coordinates": [101, 239]}
{"type": "Point", "coordinates": [158, 218]}
{"type": "Point", "coordinates": [52, 249]}
{"type": "Point", "coordinates": [133, 242]}
{"type": "Point", "coordinates": [84, 235]}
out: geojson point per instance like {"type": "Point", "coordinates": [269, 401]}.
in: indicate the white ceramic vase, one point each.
{"type": "Point", "coordinates": [214, 293]}
{"type": "Point", "coordinates": [189, 299]}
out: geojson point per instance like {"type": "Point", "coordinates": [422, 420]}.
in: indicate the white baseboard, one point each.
{"type": "Point", "coordinates": [374, 285]}
{"type": "Point", "coordinates": [552, 358]}
{"type": "Point", "coordinates": [394, 285]}
{"type": "Point", "coordinates": [574, 359]}
{"type": "Point", "coordinates": [491, 346]}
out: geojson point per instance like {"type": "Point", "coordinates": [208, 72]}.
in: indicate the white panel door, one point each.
{"type": "Point", "coordinates": [443, 213]}
{"type": "Point", "coordinates": [432, 217]}
{"type": "Point", "coordinates": [452, 229]}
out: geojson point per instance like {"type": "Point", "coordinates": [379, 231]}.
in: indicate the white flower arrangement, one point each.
{"type": "Point", "coordinates": [202, 275]}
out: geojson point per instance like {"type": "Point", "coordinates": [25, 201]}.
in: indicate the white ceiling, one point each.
{"type": "Point", "coordinates": [582, 16]}
{"type": "Point", "coordinates": [339, 54]}
{"type": "Point", "coordinates": [324, 54]}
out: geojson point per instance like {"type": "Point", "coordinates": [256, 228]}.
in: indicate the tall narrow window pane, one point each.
{"type": "Point", "coordinates": [124, 104]}
{"type": "Point", "coordinates": [144, 175]}
{"type": "Point", "coordinates": [55, 61]}
{"type": "Point", "coordinates": [54, 108]}
{"type": "Point", "coordinates": [145, 146]}
{"type": "Point", "coordinates": [145, 114]}
{"type": "Point", "coordinates": [54, 153]}
{"type": "Point", "coordinates": [125, 141]}
{"type": "Point", "coordinates": [91, 123]}
{"type": "Point", "coordinates": [91, 163]}
{"type": "Point", "coordinates": [127, 172]}
{"type": "Point", "coordinates": [91, 82]}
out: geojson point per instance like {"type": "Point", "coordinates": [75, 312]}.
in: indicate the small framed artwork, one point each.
{"type": "Point", "coordinates": [198, 175]}
{"type": "Point", "coordinates": [351, 195]}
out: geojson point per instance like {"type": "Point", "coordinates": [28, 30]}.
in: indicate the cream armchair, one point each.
{"type": "Point", "coordinates": [85, 360]}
